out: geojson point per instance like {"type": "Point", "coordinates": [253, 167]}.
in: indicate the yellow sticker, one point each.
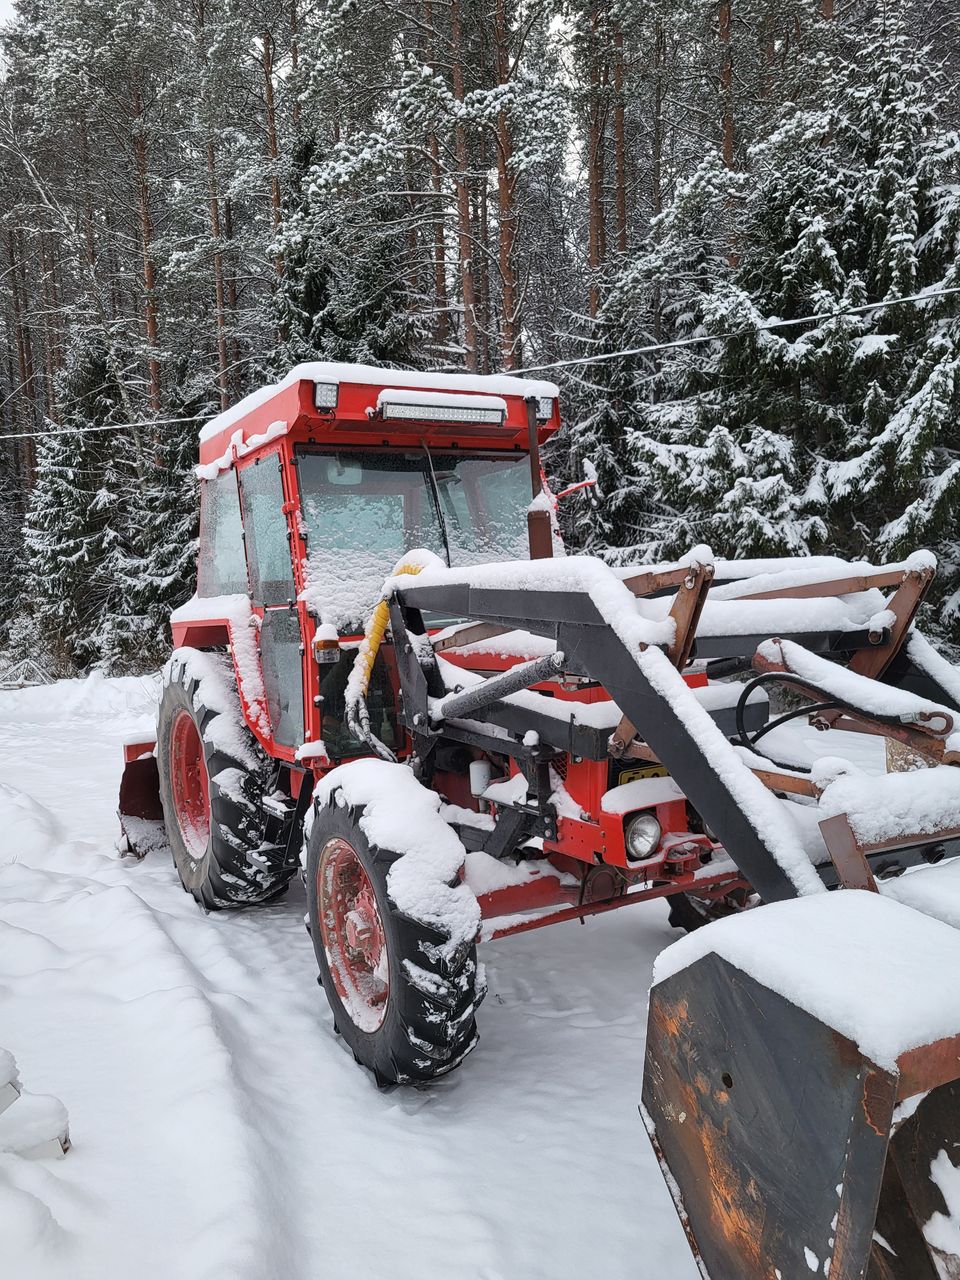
{"type": "Point", "coordinates": [642, 771]}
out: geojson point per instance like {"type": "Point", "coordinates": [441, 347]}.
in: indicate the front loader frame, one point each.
{"type": "Point", "coordinates": [593, 653]}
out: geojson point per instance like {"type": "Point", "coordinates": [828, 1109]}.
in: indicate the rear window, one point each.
{"type": "Point", "coordinates": [221, 563]}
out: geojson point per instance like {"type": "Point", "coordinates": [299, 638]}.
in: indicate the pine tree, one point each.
{"type": "Point", "coordinates": [837, 433]}
{"type": "Point", "coordinates": [72, 514]}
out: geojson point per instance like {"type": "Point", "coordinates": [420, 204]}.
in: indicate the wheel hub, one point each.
{"type": "Point", "coordinates": [353, 935]}
{"type": "Point", "coordinates": [190, 785]}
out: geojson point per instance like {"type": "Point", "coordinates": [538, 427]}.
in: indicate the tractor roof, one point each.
{"type": "Point", "coordinates": [357, 403]}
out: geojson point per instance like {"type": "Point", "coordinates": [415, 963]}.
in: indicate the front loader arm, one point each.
{"type": "Point", "coordinates": [650, 692]}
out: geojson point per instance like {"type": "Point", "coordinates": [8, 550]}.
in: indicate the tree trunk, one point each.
{"type": "Point", "coordinates": [220, 315]}
{"type": "Point", "coordinates": [511, 329]}
{"type": "Point", "coordinates": [213, 206]}
{"type": "Point", "coordinates": [230, 286]}
{"type": "Point", "coordinates": [596, 231]}
{"type": "Point", "coordinates": [50, 337]}
{"type": "Point", "coordinates": [295, 61]}
{"type": "Point", "coordinates": [464, 230]}
{"type": "Point", "coordinates": [87, 195]}
{"type": "Point", "coordinates": [24, 357]}
{"type": "Point", "coordinates": [656, 163]}
{"type": "Point", "coordinates": [146, 244]}
{"type": "Point", "coordinates": [726, 79]}
{"type": "Point", "coordinates": [619, 144]}
{"type": "Point", "coordinates": [481, 220]}
{"type": "Point", "coordinates": [273, 148]}
{"type": "Point", "coordinates": [440, 300]}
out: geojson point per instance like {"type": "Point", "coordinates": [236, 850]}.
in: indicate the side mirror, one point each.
{"type": "Point", "coordinates": [345, 473]}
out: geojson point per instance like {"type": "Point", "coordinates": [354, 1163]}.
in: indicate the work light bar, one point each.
{"type": "Point", "coordinates": [439, 406]}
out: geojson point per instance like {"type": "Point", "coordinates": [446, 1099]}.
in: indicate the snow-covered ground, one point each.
{"type": "Point", "coordinates": [220, 1129]}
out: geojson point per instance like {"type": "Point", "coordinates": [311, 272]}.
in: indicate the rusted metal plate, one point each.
{"type": "Point", "coordinates": [924, 1157]}
{"type": "Point", "coordinates": [140, 789]}
{"type": "Point", "coordinates": [773, 1127]}
{"type": "Point", "coordinates": [853, 870]}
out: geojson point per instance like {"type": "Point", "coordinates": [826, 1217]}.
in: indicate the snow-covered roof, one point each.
{"type": "Point", "coordinates": [329, 371]}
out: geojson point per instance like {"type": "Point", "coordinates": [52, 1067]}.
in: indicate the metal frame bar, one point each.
{"type": "Point", "coordinates": [593, 648]}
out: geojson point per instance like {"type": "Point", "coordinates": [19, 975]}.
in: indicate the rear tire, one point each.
{"type": "Point", "coordinates": [401, 1000]}
{"type": "Point", "coordinates": [213, 778]}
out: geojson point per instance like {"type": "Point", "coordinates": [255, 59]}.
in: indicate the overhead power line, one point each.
{"type": "Point", "coordinates": [702, 339]}
{"type": "Point", "coordinates": [83, 431]}
{"type": "Point", "coordinates": [651, 349]}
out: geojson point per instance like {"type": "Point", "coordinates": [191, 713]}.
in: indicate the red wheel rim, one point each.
{"type": "Point", "coordinates": [352, 933]}
{"type": "Point", "coordinates": [190, 785]}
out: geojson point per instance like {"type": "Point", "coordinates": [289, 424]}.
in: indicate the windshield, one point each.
{"type": "Point", "coordinates": [363, 511]}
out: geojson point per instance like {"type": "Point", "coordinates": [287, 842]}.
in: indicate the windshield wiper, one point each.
{"type": "Point", "coordinates": [435, 489]}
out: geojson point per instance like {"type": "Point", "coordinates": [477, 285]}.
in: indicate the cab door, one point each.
{"type": "Point", "coordinates": [273, 594]}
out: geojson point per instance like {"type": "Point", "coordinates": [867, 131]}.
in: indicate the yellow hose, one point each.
{"type": "Point", "coordinates": [374, 632]}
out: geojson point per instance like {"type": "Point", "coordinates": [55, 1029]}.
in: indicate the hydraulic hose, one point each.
{"type": "Point", "coordinates": [358, 684]}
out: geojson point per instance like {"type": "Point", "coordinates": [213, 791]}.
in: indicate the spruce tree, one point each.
{"type": "Point", "coordinates": [74, 511]}
{"type": "Point", "coordinates": [836, 434]}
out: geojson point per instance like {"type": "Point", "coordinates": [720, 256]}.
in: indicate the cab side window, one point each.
{"type": "Point", "coordinates": [265, 525]}
{"type": "Point", "coordinates": [221, 563]}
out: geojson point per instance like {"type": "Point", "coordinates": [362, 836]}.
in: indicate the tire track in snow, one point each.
{"type": "Point", "coordinates": [530, 1162]}
{"type": "Point", "coordinates": [126, 1038]}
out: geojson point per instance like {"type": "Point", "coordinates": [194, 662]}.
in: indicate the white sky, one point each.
{"type": "Point", "coordinates": [6, 10]}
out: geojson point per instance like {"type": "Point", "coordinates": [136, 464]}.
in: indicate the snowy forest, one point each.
{"type": "Point", "coordinates": [198, 194]}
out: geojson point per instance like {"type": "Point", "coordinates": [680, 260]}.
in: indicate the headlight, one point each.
{"type": "Point", "coordinates": [642, 836]}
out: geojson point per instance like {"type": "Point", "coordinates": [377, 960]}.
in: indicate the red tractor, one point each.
{"type": "Point", "coordinates": [392, 678]}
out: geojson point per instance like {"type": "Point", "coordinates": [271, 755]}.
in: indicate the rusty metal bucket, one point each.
{"type": "Point", "coordinates": [788, 1152]}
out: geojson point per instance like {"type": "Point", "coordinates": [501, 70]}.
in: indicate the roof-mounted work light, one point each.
{"type": "Point", "coordinates": [397, 404]}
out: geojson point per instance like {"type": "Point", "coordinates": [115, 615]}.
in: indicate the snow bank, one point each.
{"type": "Point", "coordinates": [87, 697]}
{"type": "Point", "coordinates": [35, 1125]}
{"type": "Point", "coordinates": [401, 815]}
{"type": "Point", "coordinates": [29, 829]}
{"type": "Point", "coordinates": [878, 972]}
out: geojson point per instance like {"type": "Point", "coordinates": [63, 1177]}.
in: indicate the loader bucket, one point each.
{"type": "Point", "coordinates": [801, 1091]}
{"type": "Point", "coordinates": [139, 810]}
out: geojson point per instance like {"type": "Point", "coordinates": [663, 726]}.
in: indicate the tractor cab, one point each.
{"type": "Point", "coordinates": [312, 490]}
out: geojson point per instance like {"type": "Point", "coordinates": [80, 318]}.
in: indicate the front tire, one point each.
{"type": "Point", "coordinates": [403, 1001]}
{"type": "Point", "coordinates": [229, 851]}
